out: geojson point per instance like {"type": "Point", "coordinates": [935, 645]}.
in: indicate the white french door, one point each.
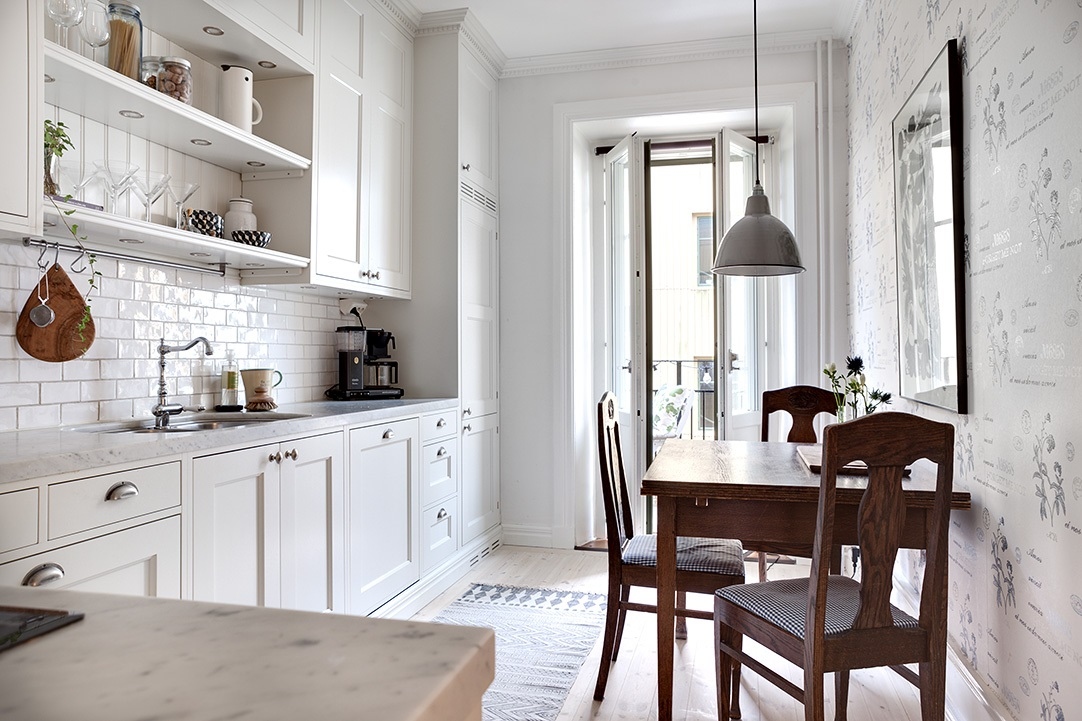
{"type": "Point", "coordinates": [626, 350]}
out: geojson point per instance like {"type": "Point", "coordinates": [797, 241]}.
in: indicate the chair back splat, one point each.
{"type": "Point", "coordinates": [803, 404]}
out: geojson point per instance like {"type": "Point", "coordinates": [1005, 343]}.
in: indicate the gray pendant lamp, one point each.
{"type": "Point", "coordinates": [758, 243]}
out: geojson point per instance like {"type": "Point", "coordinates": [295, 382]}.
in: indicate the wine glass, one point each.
{"type": "Point", "coordinates": [95, 26]}
{"type": "Point", "coordinates": [117, 175]}
{"type": "Point", "coordinates": [150, 188]}
{"type": "Point", "coordinates": [66, 14]}
{"type": "Point", "coordinates": [180, 192]}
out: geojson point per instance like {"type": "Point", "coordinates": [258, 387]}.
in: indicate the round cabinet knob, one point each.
{"type": "Point", "coordinates": [366, 274]}
{"type": "Point", "coordinates": [44, 574]}
{"type": "Point", "coordinates": [375, 275]}
{"type": "Point", "coordinates": [466, 167]}
{"type": "Point", "coordinates": [442, 514]}
{"type": "Point", "coordinates": [122, 490]}
{"type": "Point", "coordinates": [441, 452]}
{"type": "Point", "coordinates": [388, 434]}
{"type": "Point", "coordinates": [276, 457]}
{"type": "Point", "coordinates": [467, 412]}
{"type": "Point", "coordinates": [467, 428]}
{"type": "Point", "coordinates": [291, 454]}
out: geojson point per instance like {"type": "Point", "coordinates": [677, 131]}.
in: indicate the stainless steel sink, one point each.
{"type": "Point", "coordinates": [193, 423]}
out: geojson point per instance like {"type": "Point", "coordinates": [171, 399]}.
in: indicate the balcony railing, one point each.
{"type": "Point", "coordinates": [696, 374]}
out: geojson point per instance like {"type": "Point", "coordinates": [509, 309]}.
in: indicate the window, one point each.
{"type": "Point", "coordinates": [704, 236]}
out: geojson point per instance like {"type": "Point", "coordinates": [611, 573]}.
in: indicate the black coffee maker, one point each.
{"type": "Point", "coordinates": [364, 371]}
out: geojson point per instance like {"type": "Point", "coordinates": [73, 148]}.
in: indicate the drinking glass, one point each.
{"type": "Point", "coordinates": [66, 14]}
{"type": "Point", "coordinates": [95, 26]}
{"type": "Point", "coordinates": [72, 179]}
{"type": "Point", "coordinates": [148, 189]}
{"type": "Point", "coordinates": [117, 175]}
{"type": "Point", "coordinates": [180, 192]}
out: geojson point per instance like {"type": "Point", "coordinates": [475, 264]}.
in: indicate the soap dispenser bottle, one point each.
{"type": "Point", "coordinates": [230, 383]}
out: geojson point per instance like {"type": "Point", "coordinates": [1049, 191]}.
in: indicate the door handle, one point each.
{"type": "Point", "coordinates": [626, 367]}
{"type": "Point", "coordinates": [733, 358]}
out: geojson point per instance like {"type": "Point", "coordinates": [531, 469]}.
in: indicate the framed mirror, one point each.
{"type": "Point", "coordinates": [929, 225]}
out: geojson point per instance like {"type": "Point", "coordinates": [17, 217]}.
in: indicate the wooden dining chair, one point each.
{"type": "Point", "coordinates": [803, 404]}
{"type": "Point", "coordinates": [831, 623]}
{"type": "Point", "coordinates": [703, 565]}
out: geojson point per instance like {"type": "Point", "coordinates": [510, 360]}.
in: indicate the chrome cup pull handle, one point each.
{"type": "Point", "coordinates": [120, 491]}
{"type": "Point", "coordinates": [44, 574]}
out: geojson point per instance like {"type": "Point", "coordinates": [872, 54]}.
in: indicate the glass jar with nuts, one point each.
{"type": "Point", "coordinates": [175, 79]}
{"type": "Point", "coordinates": [151, 68]}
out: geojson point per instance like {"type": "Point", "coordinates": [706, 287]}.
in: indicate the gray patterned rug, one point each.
{"type": "Point", "coordinates": [542, 638]}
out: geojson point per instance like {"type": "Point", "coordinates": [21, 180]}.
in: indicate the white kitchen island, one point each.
{"type": "Point", "coordinates": [142, 658]}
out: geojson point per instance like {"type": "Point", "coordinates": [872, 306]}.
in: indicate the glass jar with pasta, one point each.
{"type": "Point", "coordinates": [125, 39]}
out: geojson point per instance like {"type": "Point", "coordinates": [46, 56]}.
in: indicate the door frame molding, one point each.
{"type": "Point", "coordinates": [575, 395]}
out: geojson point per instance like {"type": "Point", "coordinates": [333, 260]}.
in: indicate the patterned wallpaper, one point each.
{"type": "Point", "coordinates": [1016, 596]}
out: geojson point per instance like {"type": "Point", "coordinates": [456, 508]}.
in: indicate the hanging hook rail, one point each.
{"type": "Point", "coordinates": [215, 269]}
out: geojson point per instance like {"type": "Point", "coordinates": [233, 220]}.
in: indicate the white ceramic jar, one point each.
{"type": "Point", "coordinates": [239, 217]}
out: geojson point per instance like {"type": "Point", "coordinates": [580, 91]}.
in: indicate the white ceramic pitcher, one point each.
{"type": "Point", "coordinates": [235, 102]}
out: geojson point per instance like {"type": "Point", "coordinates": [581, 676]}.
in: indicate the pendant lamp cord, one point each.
{"type": "Point", "coordinates": [755, 56]}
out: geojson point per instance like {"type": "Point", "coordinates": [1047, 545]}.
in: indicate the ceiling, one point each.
{"type": "Point", "coordinates": [532, 28]}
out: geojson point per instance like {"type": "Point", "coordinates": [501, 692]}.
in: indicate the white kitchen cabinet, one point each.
{"type": "Point", "coordinates": [478, 122]}
{"type": "Point", "coordinates": [20, 124]}
{"type": "Point", "coordinates": [439, 533]}
{"type": "Point", "coordinates": [267, 527]}
{"type": "Point", "coordinates": [359, 234]}
{"type": "Point", "coordinates": [479, 324]}
{"type": "Point", "coordinates": [480, 493]}
{"type": "Point", "coordinates": [383, 502]}
{"type": "Point", "coordinates": [139, 561]}
{"type": "Point", "coordinates": [291, 24]}
{"type": "Point", "coordinates": [439, 488]}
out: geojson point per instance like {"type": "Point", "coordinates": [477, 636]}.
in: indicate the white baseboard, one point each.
{"type": "Point", "coordinates": [534, 536]}
{"type": "Point", "coordinates": [435, 582]}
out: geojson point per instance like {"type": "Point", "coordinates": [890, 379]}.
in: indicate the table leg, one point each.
{"type": "Point", "coordinates": [666, 603]}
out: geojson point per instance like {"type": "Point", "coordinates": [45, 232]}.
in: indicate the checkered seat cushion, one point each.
{"type": "Point", "coordinates": [784, 604]}
{"type": "Point", "coordinates": [708, 555]}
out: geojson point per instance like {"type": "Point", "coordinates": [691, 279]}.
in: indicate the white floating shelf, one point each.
{"type": "Point", "coordinates": [94, 91]}
{"type": "Point", "coordinates": [139, 239]}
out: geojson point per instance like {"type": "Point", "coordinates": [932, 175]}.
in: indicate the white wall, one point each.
{"type": "Point", "coordinates": [535, 266]}
{"type": "Point", "coordinates": [1015, 603]}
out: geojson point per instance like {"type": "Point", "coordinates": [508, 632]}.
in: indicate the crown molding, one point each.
{"type": "Point", "coordinates": [402, 13]}
{"type": "Point", "coordinates": [851, 25]}
{"type": "Point", "coordinates": [775, 43]}
{"type": "Point", "coordinates": [462, 22]}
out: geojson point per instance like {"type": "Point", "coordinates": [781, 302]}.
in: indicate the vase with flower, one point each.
{"type": "Point", "coordinates": [851, 391]}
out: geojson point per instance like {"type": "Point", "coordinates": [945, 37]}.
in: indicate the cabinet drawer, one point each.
{"type": "Point", "coordinates": [439, 533]}
{"type": "Point", "coordinates": [139, 561]}
{"type": "Point", "coordinates": [84, 504]}
{"type": "Point", "coordinates": [438, 425]}
{"type": "Point", "coordinates": [439, 471]}
{"type": "Point", "coordinates": [18, 519]}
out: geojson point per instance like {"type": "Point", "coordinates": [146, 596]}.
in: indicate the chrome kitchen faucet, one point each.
{"type": "Point", "coordinates": [164, 410]}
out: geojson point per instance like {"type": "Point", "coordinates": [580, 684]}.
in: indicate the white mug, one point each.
{"type": "Point", "coordinates": [235, 101]}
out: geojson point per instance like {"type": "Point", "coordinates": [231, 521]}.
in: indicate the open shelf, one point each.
{"type": "Point", "coordinates": [96, 92]}
{"type": "Point", "coordinates": [138, 238]}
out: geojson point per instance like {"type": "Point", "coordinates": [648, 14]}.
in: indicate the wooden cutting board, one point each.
{"type": "Point", "coordinates": [63, 339]}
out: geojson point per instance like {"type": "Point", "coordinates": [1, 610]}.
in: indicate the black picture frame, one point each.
{"type": "Point", "coordinates": [929, 216]}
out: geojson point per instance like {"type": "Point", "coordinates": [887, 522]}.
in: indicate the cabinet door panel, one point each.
{"type": "Point", "coordinates": [290, 23]}
{"type": "Point", "coordinates": [383, 506]}
{"type": "Point", "coordinates": [19, 122]}
{"type": "Point", "coordinates": [139, 561]}
{"type": "Point", "coordinates": [439, 474]}
{"type": "Point", "coordinates": [235, 528]}
{"type": "Point", "coordinates": [480, 496]}
{"type": "Point", "coordinates": [479, 352]}
{"type": "Point", "coordinates": [388, 252]}
{"type": "Point", "coordinates": [478, 115]}
{"type": "Point", "coordinates": [439, 529]}
{"type": "Point", "coordinates": [340, 178]}
{"type": "Point", "coordinates": [312, 525]}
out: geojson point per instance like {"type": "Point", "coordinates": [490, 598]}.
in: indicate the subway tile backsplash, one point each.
{"type": "Point", "coordinates": [138, 305]}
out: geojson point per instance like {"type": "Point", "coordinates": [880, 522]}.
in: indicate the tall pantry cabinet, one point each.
{"type": "Point", "coordinates": [451, 325]}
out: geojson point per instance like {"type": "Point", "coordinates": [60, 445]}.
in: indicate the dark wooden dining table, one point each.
{"type": "Point", "coordinates": [763, 494]}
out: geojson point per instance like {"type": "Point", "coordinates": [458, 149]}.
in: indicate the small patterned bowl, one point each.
{"type": "Point", "coordinates": [206, 222]}
{"type": "Point", "coordinates": [258, 238]}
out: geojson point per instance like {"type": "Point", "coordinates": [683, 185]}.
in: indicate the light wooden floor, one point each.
{"type": "Point", "coordinates": [874, 695]}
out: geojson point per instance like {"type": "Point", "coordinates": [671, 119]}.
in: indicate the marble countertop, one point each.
{"type": "Point", "coordinates": [142, 658]}
{"type": "Point", "coordinates": [47, 451]}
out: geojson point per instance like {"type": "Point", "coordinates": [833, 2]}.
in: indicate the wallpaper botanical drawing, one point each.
{"type": "Point", "coordinates": [1015, 586]}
